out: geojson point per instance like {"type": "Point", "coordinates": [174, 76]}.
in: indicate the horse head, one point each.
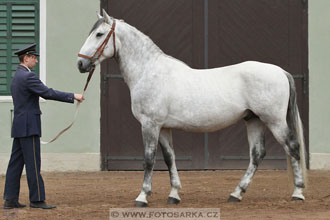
{"type": "Point", "coordinates": [100, 44]}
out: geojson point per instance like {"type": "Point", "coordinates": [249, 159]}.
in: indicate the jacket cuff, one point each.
{"type": "Point", "coordinates": [71, 98]}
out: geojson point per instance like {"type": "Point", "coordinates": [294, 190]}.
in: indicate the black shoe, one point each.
{"type": "Point", "coordinates": [12, 204]}
{"type": "Point", "coordinates": [41, 205]}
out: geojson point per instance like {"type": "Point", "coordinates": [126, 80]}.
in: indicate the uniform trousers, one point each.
{"type": "Point", "coordinates": [25, 151]}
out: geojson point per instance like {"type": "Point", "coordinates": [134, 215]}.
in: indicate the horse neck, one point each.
{"type": "Point", "coordinates": [137, 52]}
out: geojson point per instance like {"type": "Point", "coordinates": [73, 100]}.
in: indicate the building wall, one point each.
{"type": "Point", "coordinates": [319, 80]}
{"type": "Point", "coordinates": [67, 25]}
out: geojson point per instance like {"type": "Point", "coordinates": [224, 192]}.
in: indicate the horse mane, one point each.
{"type": "Point", "coordinates": [139, 35]}
{"type": "Point", "coordinates": [148, 42]}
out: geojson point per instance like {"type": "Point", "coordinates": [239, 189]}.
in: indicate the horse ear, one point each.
{"type": "Point", "coordinates": [99, 16]}
{"type": "Point", "coordinates": [106, 17]}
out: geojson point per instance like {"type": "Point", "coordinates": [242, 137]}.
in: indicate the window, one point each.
{"type": "Point", "coordinates": [19, 26]}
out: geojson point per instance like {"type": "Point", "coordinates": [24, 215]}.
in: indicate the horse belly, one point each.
{"type": "Point", "coordinates": [204, 118]}
{"type": "Point", "coordinates": [205, 102]}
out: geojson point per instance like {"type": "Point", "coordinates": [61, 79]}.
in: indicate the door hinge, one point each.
{"type": "Point", "coordinates": [106, 163]}
{"type": "Point", "coordinates": [305, 82]}
{"type": "Point", "coordinates": [304, 78]}
{"type": "Point", "coordinates": [304, 4]}
{"type": "Point", "coordinates": [105, 81]}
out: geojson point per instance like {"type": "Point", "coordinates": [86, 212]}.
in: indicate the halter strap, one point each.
{"type": "Point", "coordinates": [101, 48]}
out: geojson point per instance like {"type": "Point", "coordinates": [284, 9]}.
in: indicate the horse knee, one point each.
{"type": "Point", "coordinates": [148, 165]}
{"type": "Point", "coordinates": [149, 160]}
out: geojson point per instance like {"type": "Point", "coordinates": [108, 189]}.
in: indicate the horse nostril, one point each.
{"type": "Point", "coordinates": [80, 64]}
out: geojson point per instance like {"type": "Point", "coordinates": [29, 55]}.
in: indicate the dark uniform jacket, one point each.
{"type": "Point", "coordinates": [26, 88]}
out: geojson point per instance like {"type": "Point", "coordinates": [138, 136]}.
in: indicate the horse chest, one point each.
{"type": "Point", "coordinates": [148, 103]}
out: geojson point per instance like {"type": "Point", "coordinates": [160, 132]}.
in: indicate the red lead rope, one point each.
{"type": "Point", "coordinates": [89, 78]}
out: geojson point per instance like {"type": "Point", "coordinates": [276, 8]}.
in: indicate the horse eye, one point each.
{"type": "Point", "coordinates": [99, 34]}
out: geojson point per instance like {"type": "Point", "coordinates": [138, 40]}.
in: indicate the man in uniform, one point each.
{"type": "Point", "coordinates": [26, 88]}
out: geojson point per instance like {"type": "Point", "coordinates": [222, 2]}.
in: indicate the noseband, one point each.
{"type": "Point", "coordinates": [101, 48]}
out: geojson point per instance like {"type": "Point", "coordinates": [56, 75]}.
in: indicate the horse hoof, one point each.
{"type": "Point", "coordinates": [296, 199]}
{"type": "Point", "coordinates": [172, 200]}
{"type": "Point", "coordinates": [233, 199]}
{"type": "Point", "coordinates": [140, 204]}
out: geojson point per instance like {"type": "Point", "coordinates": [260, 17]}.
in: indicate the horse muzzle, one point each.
{"type": "Point", "coordinates": [84, 65]}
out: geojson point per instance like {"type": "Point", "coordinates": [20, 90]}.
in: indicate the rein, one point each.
{"type": "Point", "coordinates": [97, 53]}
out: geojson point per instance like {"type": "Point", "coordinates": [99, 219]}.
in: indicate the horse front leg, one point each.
{"type": "Point", "coordinates": [150, 135]}
{"type": "Point", "coordinates": [166, 143]}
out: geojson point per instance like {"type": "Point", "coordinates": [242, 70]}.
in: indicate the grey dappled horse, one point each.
{"type": "Point", "coordinates": [166, 93]}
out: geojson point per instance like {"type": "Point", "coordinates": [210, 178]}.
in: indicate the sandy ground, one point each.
{"type": "Point", "coordinates": [90, 195]}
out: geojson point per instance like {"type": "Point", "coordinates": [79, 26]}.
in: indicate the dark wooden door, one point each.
{"type": "Point", "coordinates": [204, 34]}
{"type": "Point", "coordinates": [170, 25]}
{"type": "Point", "coordinates": [271, 31]}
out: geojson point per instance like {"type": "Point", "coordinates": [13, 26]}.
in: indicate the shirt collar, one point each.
{"type": "Point", "coordinates": [26, 67]}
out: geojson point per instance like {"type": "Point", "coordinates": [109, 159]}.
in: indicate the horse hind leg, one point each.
{"type": "Point", "coordinates": [288, 140]}
{"type": "Point", "coordinates": [256, 138]}
{"type": "Point", "coordinates": [166, 143]}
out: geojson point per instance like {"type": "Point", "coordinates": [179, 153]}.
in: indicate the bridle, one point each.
{"type": "Point", "coordinates": [100, 50]}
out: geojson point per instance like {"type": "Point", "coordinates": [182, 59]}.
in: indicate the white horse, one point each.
{"type": "Point", "coordinates": [166, 93]}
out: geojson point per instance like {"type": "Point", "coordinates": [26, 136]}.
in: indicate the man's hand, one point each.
{"type": "Point", "coordinates": [79, 97]}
